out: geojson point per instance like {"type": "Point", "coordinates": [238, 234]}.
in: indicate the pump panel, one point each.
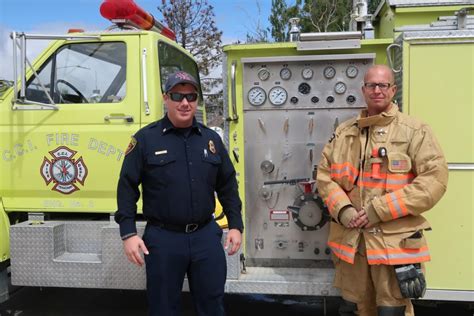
{"type": "Point", "coordinates": [292, 105]}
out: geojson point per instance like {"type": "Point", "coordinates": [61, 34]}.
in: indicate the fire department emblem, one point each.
{"type": "Point", "coordinates": [63, 170]}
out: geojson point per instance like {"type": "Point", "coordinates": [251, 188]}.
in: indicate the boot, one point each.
{"type": "Point", "coordinates": [347, 308]}
{"type": "Point", "coordinates": [391, 310]}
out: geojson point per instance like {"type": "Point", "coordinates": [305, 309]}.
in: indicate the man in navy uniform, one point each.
{"type": "Point", "coordinates": [180, 164]}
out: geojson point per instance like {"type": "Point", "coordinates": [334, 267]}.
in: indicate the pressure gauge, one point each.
{"type": "Point", "coordinates": [263, 74]}
{"type": "Point", "coordinates": [277, 96]}
{"type": "Point", "coordinates": [352, 71]}
{"type": "Point", "coordinates": [304, 88]}
{"type": "Point", "coordinates": [307, 73]}
{"type": "Point", "coordinates": [340, 88]}
{"type": "Point", "coordinates": [329, 72]}
{"type": "Point", "coordinates": [256, 96]}
{"type": "Point", "coordinates": [285, 73]}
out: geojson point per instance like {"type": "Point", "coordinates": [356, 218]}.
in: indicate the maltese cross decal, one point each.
{"type": "Point", "coordinates": [63, 170]}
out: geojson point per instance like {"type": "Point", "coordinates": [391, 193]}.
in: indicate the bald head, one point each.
{"type": "Point", "coordinates": [383, 70]}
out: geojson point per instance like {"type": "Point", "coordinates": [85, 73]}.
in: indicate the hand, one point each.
{"type": "Point", "coordinates": [347, 216]}
{"type": "Point", "coordinates": [234, 238]}
{"type": "Point", "coordinates": [133, 248]}
{"type": "Point", "coordinates": [361, 221]}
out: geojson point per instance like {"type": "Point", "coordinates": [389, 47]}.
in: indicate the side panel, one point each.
{"type": "Point", "coordinates": [291, 107]}
{"type": "Point", "coordinates": [69, 160]}
{"type": "Point", "coordinates": [235, 128]}
{"type": "Point", "coordinates": [441, 81]}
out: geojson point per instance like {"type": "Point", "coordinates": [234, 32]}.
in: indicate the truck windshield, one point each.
{"type": "Point", "coordinates": [82, 73]}
{"type": "Point", "coordinates": [172, 60]}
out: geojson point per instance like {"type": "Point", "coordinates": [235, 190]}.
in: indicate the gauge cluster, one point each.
{"type": "Point", "coordinates": [326, 82]}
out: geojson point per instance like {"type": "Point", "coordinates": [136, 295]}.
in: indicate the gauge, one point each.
{"type": "Point", "coordinates": [307, 73]}
{"type": "Point", "coordinates": [315, 99]}
{"type": "Point", "coordinates": [294, 100]}
{"type": "Point", "coordinates": [329, 72]}
{"type": "Point", "coordinates": [263, 74]}
{"type": "Point", "coordinates": [330, 99]}
{"type": "Point", "coordinates": [340, 88]}
{"type": "Point", "coordinates": [257, 96]}
{"type": "Point", "coordinates": [351, 99]}
{"type": "Point", "coordinates": [304, 88]}
{"type": "Point", "coordinates": [285, 73]}
{"type": "Point", "coordinates": [352, 71]}
{"type": "Point", "coordinates": [277, 96]}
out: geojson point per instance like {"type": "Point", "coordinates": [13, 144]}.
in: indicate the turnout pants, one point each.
{"type": "Point", "coordinates": [369, 286]}
{"type": "Point", "coordinates": [200, 255]}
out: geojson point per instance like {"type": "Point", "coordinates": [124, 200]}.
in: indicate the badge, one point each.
{"type": "Point", "coordinates": [212, 148]}
{"type": "Point", "coordinates": [133, 143]}
{"type": "Point", "coordinates": [381, 132]}
{"type": "Point", "coordinates": [64, 170]}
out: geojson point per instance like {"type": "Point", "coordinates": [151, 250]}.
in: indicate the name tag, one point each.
{"type": "Point", "coordinates": [161, 152]}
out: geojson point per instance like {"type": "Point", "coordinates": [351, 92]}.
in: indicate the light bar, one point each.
{"type": "Point", "coordinates": [130, 11]}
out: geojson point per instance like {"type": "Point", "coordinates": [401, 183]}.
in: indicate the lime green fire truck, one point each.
{"type": "Point", "coordinates": [67, 117]}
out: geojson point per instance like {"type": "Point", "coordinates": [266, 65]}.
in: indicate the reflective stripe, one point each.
{"type": "Point", "coordinates": [334, 196]}
{"type": "Point", "coordinates": [396, 205]}
{"type": "Point", "coordinates": [346, 169]}
{"type": "Point", "coordinates": [345, 253]}
{"type": "Point", "coordinates": [398, 255]}
{"type": "Point", "coordinates": [388, 181]}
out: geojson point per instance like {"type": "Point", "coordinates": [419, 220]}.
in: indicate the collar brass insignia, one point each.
{"type": "Point", "coordinates": [212, 148]}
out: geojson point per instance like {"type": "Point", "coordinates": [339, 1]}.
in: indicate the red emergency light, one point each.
{"type": "Point", "coordinates": [128, 10]}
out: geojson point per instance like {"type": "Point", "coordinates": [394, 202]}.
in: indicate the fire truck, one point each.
{"type": "Point", "coordinates": [68, 116]}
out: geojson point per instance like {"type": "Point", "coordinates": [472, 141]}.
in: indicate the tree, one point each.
{"type": "Point", "coordinates": [327, 15]}
{"type": "Point", "coordinates": [314, 15]}
{"type": "Point", "coordinates": [373, 4]}
{"type": "Point", "coordinates": [194, 24]}
{"type": "Point", "coordinates": [193, 21]}
{"type": "Point", "coordinates": [278, 20]}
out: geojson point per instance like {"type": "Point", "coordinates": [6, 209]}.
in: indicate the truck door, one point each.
{"type": "Point", "coordinates": [444, 99]}
{"type": "Point", "coordinates": [69, 159]}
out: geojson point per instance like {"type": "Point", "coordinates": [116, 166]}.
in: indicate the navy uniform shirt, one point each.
{"type": "Point", "coordinates": [179, 173]}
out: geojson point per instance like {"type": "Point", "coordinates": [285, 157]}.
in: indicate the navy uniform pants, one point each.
{"type": "Point", "coordinates": [200, 255]}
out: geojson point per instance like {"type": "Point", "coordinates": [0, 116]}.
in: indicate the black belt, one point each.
{"type": "Point", "coordinates": [184, 228]}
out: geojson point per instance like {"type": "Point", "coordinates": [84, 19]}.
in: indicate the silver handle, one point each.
{"type": "Point", "coordinates": [145, 84]}
{"type": "Point", "coordinates": [461, 166]}
{"type": "Point", "coordinates": [389, 56]}
{"type": "Point", "coordinates": [127, 118]}
{"type": "Point", "coordinates": [233, 70]}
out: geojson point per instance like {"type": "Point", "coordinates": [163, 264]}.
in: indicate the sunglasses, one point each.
{"type": "Point", "coordinates": [178, 97]}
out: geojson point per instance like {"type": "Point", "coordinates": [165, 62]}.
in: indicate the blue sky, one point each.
{"type": "Point", "coordinates": [235, 18]}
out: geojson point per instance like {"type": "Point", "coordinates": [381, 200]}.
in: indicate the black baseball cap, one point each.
{"type": "Point", "coordinates": [180, 77]}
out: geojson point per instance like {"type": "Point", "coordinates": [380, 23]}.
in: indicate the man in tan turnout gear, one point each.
{"type": "Point", "coordinates": [377, 174]}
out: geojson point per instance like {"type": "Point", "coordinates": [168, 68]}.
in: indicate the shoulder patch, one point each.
{"type": "Point", "coordinates": [131, 145]}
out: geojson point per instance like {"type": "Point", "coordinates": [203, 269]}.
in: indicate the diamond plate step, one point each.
{"type": "Point", "coordinates": [79, 254]}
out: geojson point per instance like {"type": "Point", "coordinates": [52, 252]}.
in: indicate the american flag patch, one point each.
{"type": "Point", "coordinates": [399, 164]}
